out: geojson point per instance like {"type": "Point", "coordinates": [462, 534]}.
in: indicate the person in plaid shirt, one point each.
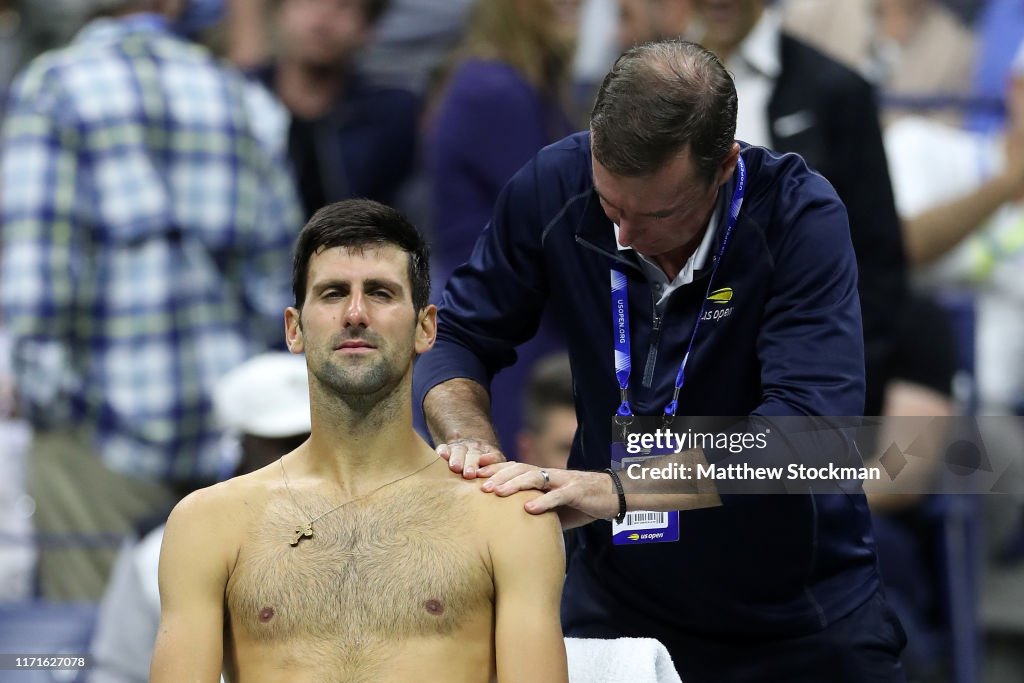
{"type": "Point", "coordinates": [147, 223]}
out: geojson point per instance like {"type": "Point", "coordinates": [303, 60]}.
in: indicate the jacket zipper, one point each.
{"type": "Point", "coordinates": [652, 352]}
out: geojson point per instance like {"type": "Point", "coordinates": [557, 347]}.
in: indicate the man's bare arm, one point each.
{"type": "Point", "coordinates": [193, 576]}
{"type": "Point", "coordinates": [933, 233]}
{"type": "Point", "coordinates": [458, 417]}
{"type": "Point", "coordinates": [529, 568]}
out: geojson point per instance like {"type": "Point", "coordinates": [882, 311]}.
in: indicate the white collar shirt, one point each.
{"type": "Point", "coordinates": [656, 276]}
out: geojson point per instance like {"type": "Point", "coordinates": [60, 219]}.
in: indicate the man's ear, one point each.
{"type": "Point", "coordinates": [426, 329]}
{"type": "Point", "coordinates": [728, 166]}
{"type": "Point", "coordinates": [293, 330]}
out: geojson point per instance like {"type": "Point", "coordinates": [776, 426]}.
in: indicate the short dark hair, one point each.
{"type": "Point", "coordinates": [548, 386]}
{"type": "Point", "coordinates": [659, 99]}
{"type": "Point", "coordinates": [362, 224]}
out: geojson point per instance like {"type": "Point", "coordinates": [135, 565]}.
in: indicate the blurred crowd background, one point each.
{"type": "Point", "coordinates": [156, 166]}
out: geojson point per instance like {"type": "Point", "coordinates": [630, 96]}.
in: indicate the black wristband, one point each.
{"type": "Point", "coordinates": [622, 494]}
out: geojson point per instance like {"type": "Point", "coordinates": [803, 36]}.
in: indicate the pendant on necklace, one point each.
{"type": "Point", "coordinates": [302, 532]}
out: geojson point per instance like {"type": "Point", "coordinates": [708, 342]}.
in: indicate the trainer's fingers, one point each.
{"type": "Point", "coordinates": [528, 480]}
{"type": "Point", "coordinates": [502, 475]}
{"type": "Point", "coordinates": [444, 450]}
{"type": "Point", "coordinates": [457, 457]}
{"type": "Point", "coordinates": [492, 456]}
{"type": "Point", "coordinates": [492, 470]}
{"type": "Point", "coordinates": [549, 501]}
{"type": "Point", "coordinates": [471, 463]}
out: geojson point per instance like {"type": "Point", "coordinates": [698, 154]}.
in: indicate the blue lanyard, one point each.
{"type": "Point", "coordinates": [620, 310]}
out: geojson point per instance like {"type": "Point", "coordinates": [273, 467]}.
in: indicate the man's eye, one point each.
{"type": "Point", "coordinates": [381, 293]}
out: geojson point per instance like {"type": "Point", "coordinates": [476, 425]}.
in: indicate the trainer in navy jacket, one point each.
{"type": "Point", "coordinates": [759, 566]}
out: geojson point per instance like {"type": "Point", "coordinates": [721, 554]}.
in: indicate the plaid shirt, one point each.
{"type": "Point", "coordinates": [147, 226]}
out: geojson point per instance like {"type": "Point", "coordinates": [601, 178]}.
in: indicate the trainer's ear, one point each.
{"type": "Point", "coordinates": [728, 166]}
{"type": "Point", "coordinates": [426, 329]}
{"type": "Point", "coordinates": [293, 330]}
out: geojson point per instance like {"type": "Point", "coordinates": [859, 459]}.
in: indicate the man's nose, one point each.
{"type": "Point", "coordinates": [355, 311]}
{"type": "Point", "coordinates": [625, 232]}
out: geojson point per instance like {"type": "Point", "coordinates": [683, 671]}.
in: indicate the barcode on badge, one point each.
{"type": "Point", "coordinates": [641, 520]}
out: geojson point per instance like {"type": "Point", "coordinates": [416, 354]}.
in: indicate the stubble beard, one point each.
{"type": "Point", "coordinates": [363, 383]}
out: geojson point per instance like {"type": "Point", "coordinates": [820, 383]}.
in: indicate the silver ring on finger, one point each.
{"type": "Point", "coordinates": [547, 480]}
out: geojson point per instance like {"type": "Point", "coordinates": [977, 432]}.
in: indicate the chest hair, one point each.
{"type": "Point", "coordinates": [390, 567]}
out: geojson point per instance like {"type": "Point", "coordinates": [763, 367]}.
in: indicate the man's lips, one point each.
{"type": "Point", "coordinates": [355, 345]}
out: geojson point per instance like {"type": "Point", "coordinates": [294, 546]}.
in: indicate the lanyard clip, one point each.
{"type": "Point", "coordinates": [672, 407]}
{"type": "Point", "coordinates": [624, 421]}
{"type": "Point", "coordinates": [624, 408]}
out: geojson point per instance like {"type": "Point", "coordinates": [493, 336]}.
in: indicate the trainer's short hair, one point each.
{"type": "Point", "coordinates": [658, 100]}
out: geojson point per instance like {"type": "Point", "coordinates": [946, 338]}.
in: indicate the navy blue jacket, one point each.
{"type": "Point", "coordinates": [758, 565]}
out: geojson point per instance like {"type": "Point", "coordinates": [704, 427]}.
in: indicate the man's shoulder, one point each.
{"type": "Point", "coordinates": [508, 514]}
{"type": "Point", "coordinates": [516, 537]}
{"type": "Point", "coordinates": [226, 504]}
{"type": "Point", "coordinates": [777, 173]}
{"type": "Point", "coordinates": [783, 191]}
{"type": "Point", "coordinates": [565, 161]}
{"type": "Point", "coordinates": [47, 71]}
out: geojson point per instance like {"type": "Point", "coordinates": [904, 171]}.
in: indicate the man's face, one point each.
{"type": "Point", "coordinates": [727, 22]}
{"type": "Point", "coordinates": [358, 328]}
{"type": "Point", "coordinates": [323, 33]}
{"type": "Point", "coordinates": [550, 446]}
{"type": "Point", "coordinates": [661, 212]}
{"type": "Point", "coordinates": [642, 21]}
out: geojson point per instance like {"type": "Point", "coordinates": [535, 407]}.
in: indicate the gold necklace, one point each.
{"type": "Point", "coordinates": [307, 530]}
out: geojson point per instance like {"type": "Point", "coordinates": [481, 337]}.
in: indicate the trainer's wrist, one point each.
{"type": "Point", "coordinates": [620, 495]}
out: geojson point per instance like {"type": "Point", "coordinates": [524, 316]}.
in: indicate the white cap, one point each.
{"type": "Point", "coordinates": [266, 396]}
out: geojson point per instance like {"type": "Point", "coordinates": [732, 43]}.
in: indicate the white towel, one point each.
{"type": "Point", "coordinates": [622, 660]}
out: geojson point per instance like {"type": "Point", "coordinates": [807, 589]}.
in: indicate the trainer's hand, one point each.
{"type": "Point", "coordinates": [590, 493]}
{"type": "Point", "coordinates": [469, 455]}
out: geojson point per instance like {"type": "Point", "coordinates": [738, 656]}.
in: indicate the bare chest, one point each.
{"type": "Point", "coordinates": [388, 568]}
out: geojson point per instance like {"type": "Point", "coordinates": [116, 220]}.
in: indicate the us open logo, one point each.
{"type": "Point", "coordinates": [721, 298]}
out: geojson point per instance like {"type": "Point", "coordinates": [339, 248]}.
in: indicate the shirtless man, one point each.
{"type": "Point", "coordinates": [349, 559]}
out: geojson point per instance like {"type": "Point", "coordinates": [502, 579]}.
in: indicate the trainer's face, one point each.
{"type": "Point", "coordinates": [664, 211]}
{"type": "Point", "coordinates": [357, 327]}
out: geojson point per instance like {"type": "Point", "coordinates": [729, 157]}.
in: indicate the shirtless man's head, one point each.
{"type": "Point", "coordinates": [361, 281]}
{"type": "Point", "coordinates": [339, 561]}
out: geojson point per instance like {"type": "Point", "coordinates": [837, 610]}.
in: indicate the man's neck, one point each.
{"type": "Point", "coordinates": [309, 92]}
{"type": "Point", "coordinates": [358, 445]}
